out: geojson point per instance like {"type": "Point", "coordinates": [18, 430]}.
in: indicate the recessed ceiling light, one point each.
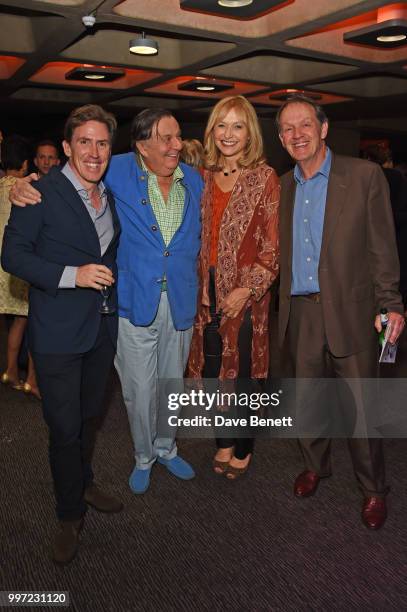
{"type": "Point", "coordinates": [232, 9]}
{"type": "Point", "coordinates": [389, 39]}
{"type": "Point", "coordinates": [143, 46]}
{"type": "Point", "coordinates": [283, 95]}
{"type": "Point", "coordinates": [94, 73]}
{"type": "Point", "coordinates": [234, 3]}
{"type": "Point", "coordinates": [202, 84]}
{"type": "Point", "coordinates": [391, 34]}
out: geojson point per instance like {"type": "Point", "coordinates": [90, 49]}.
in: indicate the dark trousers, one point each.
{"type": "Point", "coordinates": [310, 359]}
{"type": "Point", "coordinates": [72, 388]}
{"type": "Point", "coordinates": [213, 360]}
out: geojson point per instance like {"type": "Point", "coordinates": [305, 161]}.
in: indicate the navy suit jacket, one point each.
{"type": "Point", "coordinates": [39, 241]}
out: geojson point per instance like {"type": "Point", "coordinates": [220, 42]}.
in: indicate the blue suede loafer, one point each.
{"type": "Point", "coordinates": [178, 467]}
{"type": "Point", "coordinates": [139, 480]}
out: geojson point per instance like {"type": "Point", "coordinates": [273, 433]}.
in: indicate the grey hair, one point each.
{"type": "Point", "coordinates": [302, 99]}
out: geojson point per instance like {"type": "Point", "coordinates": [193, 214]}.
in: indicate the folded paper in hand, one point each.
{"type": "Point", "coordinates": [389, 351]}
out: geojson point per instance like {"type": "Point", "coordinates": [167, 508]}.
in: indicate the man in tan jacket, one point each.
{"type": "Point", "coordinates": [339, 267]}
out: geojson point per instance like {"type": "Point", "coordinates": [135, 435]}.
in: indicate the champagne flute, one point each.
{"type": "Point", "coordinates": [105, 292]}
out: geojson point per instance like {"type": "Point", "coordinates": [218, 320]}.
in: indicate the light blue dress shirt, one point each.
{"type": "Point", "coordinates": [308, 223]}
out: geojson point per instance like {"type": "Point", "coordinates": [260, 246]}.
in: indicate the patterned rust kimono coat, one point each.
{"type": "Point", "coordinates": [248, 256]}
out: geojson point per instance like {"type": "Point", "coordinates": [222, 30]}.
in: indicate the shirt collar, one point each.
{"type": "Point", "coordinates": [324, 168]}
{"type": "Point", "coordinates": [71, 176]}
{"type": "Point", "coordinates": [177, 176]}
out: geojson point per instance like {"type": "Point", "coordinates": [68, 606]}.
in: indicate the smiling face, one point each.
{"type": "Point", "coordinates": [89, 152]}
{"type": "Point", "coordinates": [161, 152]}
{"type": "Point", "coordinates": [303, 136]}
{"type": "Point", "coordinates": [45, 158]}
{"type": "Point", "coordinates": [231, 134]}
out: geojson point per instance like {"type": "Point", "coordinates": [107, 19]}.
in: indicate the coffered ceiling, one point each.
{"type": "Point", "coordinates": [263, 52]}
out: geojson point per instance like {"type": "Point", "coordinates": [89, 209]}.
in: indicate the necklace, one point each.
{"type": "Point", "coordinates": [227, 172]}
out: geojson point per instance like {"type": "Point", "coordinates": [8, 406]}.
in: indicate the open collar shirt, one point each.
{"type": "Point", "coordinates": [168, 213]}
{"type": "Point", "coordinates": [102, 220]}
{"type": "Point", "coordinates": [308, 222]}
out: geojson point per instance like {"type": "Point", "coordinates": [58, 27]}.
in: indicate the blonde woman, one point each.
{"type": "Point", "coordinates": [238, 261]}
{"type": "Point", "coordinates": [192, 153]}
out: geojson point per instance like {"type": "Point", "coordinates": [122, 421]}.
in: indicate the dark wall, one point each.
{"type": "Point", "coordinates": [341, 140]}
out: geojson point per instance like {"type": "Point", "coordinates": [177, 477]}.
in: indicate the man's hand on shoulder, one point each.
{"type": "Point", "coordinates": [95, 276]}
{"type": "Point", "coordinates": [22, 193]}
{"type": "Point", "coordinates": [396, 324]}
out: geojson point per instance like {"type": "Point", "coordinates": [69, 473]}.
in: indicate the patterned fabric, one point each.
{"type": "Point", "coordinates": [219, 202]}
{"type": "Point", "coordinates": [168, 213]}
{"type": "Point", "coordinates": [248, 254]}
{"type": "Point", "coordinates": [13, 291]}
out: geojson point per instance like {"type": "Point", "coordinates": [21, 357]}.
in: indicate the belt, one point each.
{"type": "Point", "coordinates": [313, 297]}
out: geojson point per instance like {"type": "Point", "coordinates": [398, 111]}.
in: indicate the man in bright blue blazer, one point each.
{"type": "Point", "coordinates": [158, 203]}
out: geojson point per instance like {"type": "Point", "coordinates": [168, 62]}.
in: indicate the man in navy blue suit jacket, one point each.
{"type": "Point", "coordinates": [66, 249]}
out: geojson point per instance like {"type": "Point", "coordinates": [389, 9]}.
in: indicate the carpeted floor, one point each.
{"type": "Point", "coordinates": [207, 544]}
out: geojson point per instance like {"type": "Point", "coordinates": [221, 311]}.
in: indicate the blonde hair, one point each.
{"type": "Point", "coordinates": [192, 152]}
{"type": "Point", "coordinates": [253, 155]}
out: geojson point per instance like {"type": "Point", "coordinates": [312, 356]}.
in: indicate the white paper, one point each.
{"type": "Point", "coordinates": [389, 351]}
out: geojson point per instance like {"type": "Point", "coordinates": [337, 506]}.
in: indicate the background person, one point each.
{"type": "Point", "coordinates": [192, 153]}
{"type": "Point", "coordinates": [1, 165]}
{"type": "Point", "coordinates": [398, 199]}
{"type": "Point", "coordinates": [46, 156]}
{"type": "Point", "coordinates": [238, 260]}
{"type": "Point", "coordinates": [13, 290]}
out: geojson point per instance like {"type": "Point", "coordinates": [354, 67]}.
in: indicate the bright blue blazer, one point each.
{"type": "Point", "coordinates": [143, 259]}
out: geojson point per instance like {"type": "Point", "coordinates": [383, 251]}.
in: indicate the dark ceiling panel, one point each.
{"type": "Point", "coordinates": [261, 51]}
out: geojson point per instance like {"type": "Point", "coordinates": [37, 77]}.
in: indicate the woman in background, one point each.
{"type": "Point", "coordinates": [14, 291]}
{"type": "Point", "coordinates": [238, 261]}
{"type": "Point", "coordinates": [192, 153]}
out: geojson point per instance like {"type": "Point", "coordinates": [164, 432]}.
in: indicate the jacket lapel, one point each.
{"type": "Point", "coordinates": [335, 199]}
{"type": "Point", "coordinates": [69, 194]}
{"type": "Point", "coordinates": [115, 218]}
{"type": "Point", "coordinates": [286, 221]}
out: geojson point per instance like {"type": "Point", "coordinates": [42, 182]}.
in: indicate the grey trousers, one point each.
{"type": "Point", "coordinates": [144, 356]}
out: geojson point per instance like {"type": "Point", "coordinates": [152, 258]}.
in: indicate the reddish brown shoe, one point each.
{"type": "Point", "coordinates": [306, 484]}
{"type": "Point", "coordinates": [374, 512]}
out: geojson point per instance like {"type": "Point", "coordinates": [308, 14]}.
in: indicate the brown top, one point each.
{"type": "Point", "coordinates": [247, 256]}
{"type": "Point", "coordinates": [220, 200]}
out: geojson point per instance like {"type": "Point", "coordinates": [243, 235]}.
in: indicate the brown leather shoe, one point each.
{"type": "Point", "coordinates": [100, 501]}
{"type": "Point", "coordinates": [374, 512]}
{"type": "Point", "coordinates": [66, 541]}
{"type": "Point", "coordinates": [306, 484]}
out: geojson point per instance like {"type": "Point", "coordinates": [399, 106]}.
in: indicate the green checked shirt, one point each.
{"type": "Point", "coordinates": [168, 214]}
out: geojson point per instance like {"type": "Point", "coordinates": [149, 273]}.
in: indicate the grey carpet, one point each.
{"type": "Point", "coordinates": [207, 544]}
